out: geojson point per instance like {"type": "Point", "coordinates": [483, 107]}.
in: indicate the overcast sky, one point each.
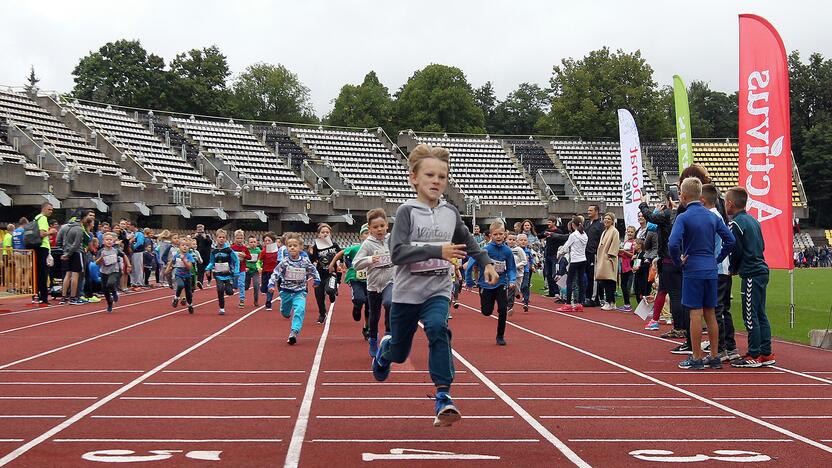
{"type": "Point", "coordinates": [329, 44]}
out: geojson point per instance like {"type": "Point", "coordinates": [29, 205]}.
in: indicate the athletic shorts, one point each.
{"type": "Point", "coordinates": [699, 293]}
{"type": "Point", "coordinates": [74, 263]}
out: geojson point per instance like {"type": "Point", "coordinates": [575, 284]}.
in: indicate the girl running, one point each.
{"type": "Point", "coordinates": [374, 255]}
{"type": "Point", "coordinates": [323, 251]}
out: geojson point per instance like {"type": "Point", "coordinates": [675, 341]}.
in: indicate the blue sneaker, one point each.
{"type": "Point", "coordinates": [373, 346]}
{"type": "Point", "coordinates": [692, 364]}
{"type": "Point", "coordinates": [381, 366]}
{"type": "Point", "coordinates": [446, 412]}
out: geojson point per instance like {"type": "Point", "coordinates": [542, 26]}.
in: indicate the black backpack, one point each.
{"type": "Point", "coordinates": [31, 234]}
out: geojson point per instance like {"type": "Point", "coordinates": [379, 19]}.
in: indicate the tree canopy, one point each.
{"type": "Point", "coordinates": [438, 98]}
{"type": "Point", "coordinates": [366, 105]}
{"type": "Point", "coordinates": [197, 82]}
{"type": "Point", "coordinates": [520, 112]}
{"type": "Point", "coordinates": [271, 92]}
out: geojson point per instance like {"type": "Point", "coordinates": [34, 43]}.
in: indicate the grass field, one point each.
{"type": "Point", "coordinates": [812, 297]}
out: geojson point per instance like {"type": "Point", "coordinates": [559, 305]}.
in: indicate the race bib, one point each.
{"type": "Point", "coordinates": [383, 261]}
{"type": "Point", "coordinates": [295, 274]}
{"type": "Point", "coordinates": [432, 267]}
{"type": "Point", "coordinates": [221, 267]}
{"type": "Point", "coordinates": [361, 275]}
{"type": "Point", "coordinates": [499, 266]}
{"type": "Point", "coordinates": [110, 259]}
{"type": "Point", "coordinates": [271, 248]}
{"type": "Point", "coordinates": [178, 263]}
{"type": "Point", "coordinates": [254, 257]}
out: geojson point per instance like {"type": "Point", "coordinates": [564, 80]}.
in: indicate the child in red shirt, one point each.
{"type": "Point", "coordinates": [243, 254]}
{"type": "Point", "coordinates": [269, 258]}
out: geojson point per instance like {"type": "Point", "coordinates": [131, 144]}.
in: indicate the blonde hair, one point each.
{"type": "Point", "coordinates": [164, 235]}
{"type": "Point", "coordinates": [289, 236]}
{"type": "Point", "coordinates": [222, 232]}
{"type": "Point", "coordinates": [239, 232]}
{"type": "Point", "coordinates": [496, 225]}
{"type": "Point", "coordinates": [110, 234]}
{"type": "Point", "coordinates": [423, 151]}
{"type": "Point", "coordinates": [692, 188]}
{"type": "Point", "coordinates": [611, 215]}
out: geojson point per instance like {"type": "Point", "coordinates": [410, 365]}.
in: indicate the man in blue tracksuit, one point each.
{"type": "Point", "coordinates": [504, 263]}
{"type": "Point", "coordinates": [691, 246]}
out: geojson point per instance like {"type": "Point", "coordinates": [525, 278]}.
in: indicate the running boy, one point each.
{"type": "Point", "coordinates": [107, 259]}
{"type": "Point", "coordinates": [253, 267]}
{"type": "Point", "coordinates": [181, 264]}
{"type": "Point", "coordinates": [223, 266]}
{"type": "Point", "coordinates": [695, 229]}
{"type": "Point", "coordinates": [506, 269]}
{"type": "Point", "coordinates": [293, 272]}
{"type": "Point", "coordinates": [428, 235]}
{"type": "Point", "coordinates": [374, 255]}
{"type": "Point", "coordinates": [243, 256]}
{"type": "Point", "coordinates": [525, 285]}
{"type": "Point", "coordinates": [748, 261]}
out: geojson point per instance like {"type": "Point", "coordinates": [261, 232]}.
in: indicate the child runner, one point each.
{"type": "Point", "coordinates": [195, 283]}
{"type": "Point", "coordinates": [521, 262]}
{"type": "Point", "coordinates": [748, 261]}
{"type": "Point", "coordinates": [253, 267]}
{"type": "Point", "coordinates": [428, 235]}
{"type": "Point", "coordinates": [181, 264]}
{"type": "Point", "coordinates": [374, 255]}
{"type": "Point", "coordinates": [148, 259]}
{"type": "Point", "coordinates": [357, 280]}
{"type": "Point", "coordinates": [323, 251]}
{"type": "Point", "coordinates": [108, 260]}
{"type": "Point", "coordinates": [694, 230]}
{"type": "Point", "coordinates": [576, 273]}
{"type": "Point", "coordinates": [268, 259]}
{"type": "Point", "coordinates": [497, 293]}
{"type": "Point", "coordinates": [243, 256]}
{"type": "Point", "coordinates": [292, 274]}
{"type": "Point", "coordinates": [223, 266]}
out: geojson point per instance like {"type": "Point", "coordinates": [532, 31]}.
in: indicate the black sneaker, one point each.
{"type": "Point", "coordinates": [109, 309]}
{"type": "Point", "coordinates": [175, 302]}
{"type": "Point", "coordinates": [293, 337]}
{"type": "Point", "coordinates": [190, 309]}
{"type": "Point", "coordinates": [199, 284]}
{"type": "Point", "coordinates": [456, 304]}
{"type": "Point", "coordinates": [682, 349]}
{"type": "Point", "coordinates": [501, 341]}
{"type": "Point", "coordinates": [525, 307]}
{"type": "Point", "coordinates": [321, 318]}
{"type": "Point", "coordinates": [365, 332]}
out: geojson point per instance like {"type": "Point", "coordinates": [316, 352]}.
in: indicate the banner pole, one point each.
{"type": "Point", "coordinates": [791, 298]}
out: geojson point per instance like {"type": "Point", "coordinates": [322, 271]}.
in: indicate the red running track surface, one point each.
{"type": "Point", "coordinates": [154, 385]}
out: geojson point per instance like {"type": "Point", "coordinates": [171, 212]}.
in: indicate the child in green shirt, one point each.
{"type": "Point", "coordinates": [253, 268]}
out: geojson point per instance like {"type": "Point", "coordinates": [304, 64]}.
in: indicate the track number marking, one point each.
{"type": "Point", "coordinates": [667, 456]}
{"type": "Point", "coordinates": [414, 454]}
{"type": "Point", "coordinates": [129, 456]}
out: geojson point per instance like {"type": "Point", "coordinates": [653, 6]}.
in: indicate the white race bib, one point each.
{"type": "Point", "coordinates": [361, 274]}
{"type": "Point", "coordinates": [271, 248]}
{"type": "Point", "coordinates": [295, 274]}
{"type": "Point", "coordinates": [499, 266]}
{"type": "Point", "coordinates": [254, 257]}
{"type": "Point", "coordinates": [221, 267]}
{"type": "Point", "coordinates": [432, 267]}
{"type": "Point", "coordinates": [178, 263]}
{"type": "Point", "coordinates": [110, 259]}
{"type": "Point", "coordinates": [383, 261]}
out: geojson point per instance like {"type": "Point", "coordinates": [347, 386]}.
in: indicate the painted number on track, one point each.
{"type": "Point", "coordinates": [667, 456]}
{"type": "Point", "coordinates": [414, 454]}
{"type": "Point", "coordinates": [129, 456]}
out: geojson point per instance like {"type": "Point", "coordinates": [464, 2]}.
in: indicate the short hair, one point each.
{"type": "Point", "coordinates": [376, 213]}
{"type": "Point", "coordinates": [710, 194]}
{"type": "Point", "coordinates": [496, 225]}
{"type": "Point", "coordinates": [239, 232]}
{"type": "Point", "coordinates": [511, 233]}
{"type": "Point", "coordinates": [44, 205]}
{"type": "Point", "coordinates": [611, 215]}
{"type": "Point", "coordinates": [292, 236]}
{"type": "Point", "coordinates": [738, 196]}
{"type": "Point", "coordinates": [321, 227]}
{"type": "Point", "coordinates": [109, 234]}
{"type": "Point", "coordinates": [692, 188]}
{"type": "Point", "coordinates": [200, 225]}
{"type": "Point", "coordinates": [222, 232]}
{"type": "Point", "coordinates": [423, 151]}
{"type": "Point", "coordinates": [10, 227]}
{"type": "Point", "coordinates": [252, 236]}
{"type": "Point", "coordinates": [22, 221]}
{"type": "Point", "coordinates": [551, 218]}
{"type": "Point", "coordinates": [695, 170]}
{"type": "Point", "coordinates": [596, 206]}
{"type": "Point", "coordinates": [271, 235]}
{"type": "Point", "coordinates": [521, 235]}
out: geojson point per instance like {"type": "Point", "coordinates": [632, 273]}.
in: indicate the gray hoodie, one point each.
{"type": "Point", "coordinates": [380, 274]}
{"type": "Point", "coordinates": [72, 238]}
{"type": "Point", "coordinates": [416, 246]}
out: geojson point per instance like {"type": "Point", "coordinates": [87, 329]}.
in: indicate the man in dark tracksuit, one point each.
{"type": "Point", "coordinates": [593, 227]}
{"type": "Point", "coordinates": [748, 261]}
{"type": "Point", "coordinates": [550, 252]}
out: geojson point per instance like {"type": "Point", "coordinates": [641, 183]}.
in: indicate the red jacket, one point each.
{"type": "Point", "coordinates": [269, 261]}
{"type": "Point", "coordinates": [242, 248]}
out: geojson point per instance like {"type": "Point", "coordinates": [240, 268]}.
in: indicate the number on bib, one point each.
{"type": "Point", "coordinates": [295, 274]}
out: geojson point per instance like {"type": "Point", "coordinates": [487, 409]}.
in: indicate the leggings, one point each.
{"type": "Point", "coordinates": [185, 284]}
{"type": "Point", "coordinates": [253, 279]}
{"type": "Point", "coordinates": [378, 299]}
{"type": "Point", "coordinates": [320, 292]}
{"type": "Point", "coordinates": [576, 273]}
{"type": "Point", "coordinates": [642, 287]}
{"type": "Point", "coordinates": [264, 288]}
{"type": "Point", "coordinates": [606, 291]}
{"type": "Point", "coordinates": [224, 286]}
{"type": "Point", "coordinates": [525, 287]}
{"type": "Point", "coordinates": [626, 286]}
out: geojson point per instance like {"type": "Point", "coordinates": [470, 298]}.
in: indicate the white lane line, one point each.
{"type": "Point", "coordinates": [210, 398]}
{"type": "Point", "coordinates": [48, 398]}
{"type": "Point", "coordinates": [163, 441]}
{"type": "Point", "coordinates": [554, 372]}
{"type": "Point", "coordinates": [299, 432]}
{"type": "Point", "coordinates": [653, 337]}
{"type": "Point", "coordinates": [679, 389]}
{"type": "Point", "coordinates": [93, 338]}
{"type": "Point", "coordinates": [188, 417]}
{"type": "Point", "coordinates": [41, 309]}
{"type": "Point", "coordinates": [392, 384]}
{"type": "Point", "coordinates": [819, 372]}
{"type": "Point", "coordinates": [233, 372]}
{"type": "Point", "coordinates": [227, 384]}
{"type": "Point", "coordinates": [112, 396]}
{"type": "Point", "coordinates": [797, 417]}
{"type": "Point", "coordinates": [401, 398]}
{"type": "Point", "coordinates": [407, 417]}
{"type": "Point", "coordinates": [534, 423]}
{"type": "Point", "coordinates": [32, 416]}
{"type": "Point", "coordinates": [3, 332]}
{"type": "Point", "coordinates": [371, 372]}
{"type": "Point", "coordinates": [61, 383]}
{"type": "Point", "coordinates": [573, 384]}
{"type": "Point", "coordinates": [680, 440]}
{"type": "Point", "coordinates": [751, 385]}
{"type": "Point", "coordinates": [416, 441]}
{"type": "Point", "coordinates": [721, 372]}
{"type": "Point", "coordinates": [640, 417]}
{"type": "Point", "coordinates": [602, 399]}
{"type": "Point", "coordinates": [11, 440]}
{"type": "Point", "coordinates": [72, 371]}
{"type": "Point", "coordinates": [771, 398]}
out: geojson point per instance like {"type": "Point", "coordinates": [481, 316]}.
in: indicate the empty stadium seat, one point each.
{"type": "Point", "coordinates": [531, 155]}
{"type": "Point", "coordinates": [277, 138]}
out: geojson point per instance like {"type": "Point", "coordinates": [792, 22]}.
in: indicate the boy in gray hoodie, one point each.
{"type": "Point", "coordinates": [428, 236]}
{"type": "Point", "coordinates": [374, 255]}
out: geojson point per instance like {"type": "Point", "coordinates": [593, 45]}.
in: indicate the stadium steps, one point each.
{"type": "Point", "coordinates": [550, 151]}
{"type": "Point", "coordinates": [538, 189]}
{"type": "Point", "coordinates": [651, 172]}
{"type": "Point", "coordinates": [175, 137]}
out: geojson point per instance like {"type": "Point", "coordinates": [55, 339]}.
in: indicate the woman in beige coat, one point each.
{"type": "Point", "coordinates": [606, 263]}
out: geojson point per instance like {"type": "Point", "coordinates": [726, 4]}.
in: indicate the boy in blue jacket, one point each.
{"type": "Point", "coordinates": [223, 266]}
{"type": "Point", "coordinates": [695, 230]}
{"type": "Point", "coordinates": [504, 264]}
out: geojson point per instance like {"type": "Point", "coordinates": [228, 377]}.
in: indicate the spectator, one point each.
{"type": "Point", "coordinates": [593, 227]}
{"type": "Point", "coordinates": [42, 252]}
{"type": "Point", "coordinates": [203, 246]}
{"type": "Point", "coordinates": [606, 262]}
{"type": "Point", "coordinates": [550, 254]}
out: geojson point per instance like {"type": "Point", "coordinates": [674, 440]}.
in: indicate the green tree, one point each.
{"type": "Point", "coordinates": [122, 73]}
{"type": "Point", "coordinates": [197, 82]}
{"type": "Point", "coordinates": [521, 110]}
{"type": "Point", "coordinates": [366, 105]}
{"type": "Point", "coordinates": [588, 92]}
{"type": "Point", "coordinates": [713, 114]}
{"type": "Point", "coordinates": [31, 81]}
{"type": "Point", "coordinates": [271, 92]}
{"type": "Point", "coordinates": [438, 98]}
{"type": "Point", "coordinates": [486, 100]}
{"type": "Point", "coordinates": [811, 95]}
{"type": "Point", "coordinates": [816, 170]}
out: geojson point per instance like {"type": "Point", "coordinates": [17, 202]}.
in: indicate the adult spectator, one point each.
{"type": "Point", "coordinates": [530, 232]}
{"type": "Point", "coordinates": [42, 252]}
{"type": "Point", "coordinates": [203, 246]}
{"type": "Point", "coordinates": [103, 228]}
{"type": "Point", "coordinates": [553, 240]}
{"type": "Point", "coordinates": [606, 262]}
{"type": "Point", "coordinates": [593, 227]}
{"type": "Point", "coordinates": [136, 238]}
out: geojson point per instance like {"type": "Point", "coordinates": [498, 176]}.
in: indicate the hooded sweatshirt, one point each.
{"type": "Point", "coordinates": [73, 238]}
{"type": "Point", "coordinates": [416, 250]}
{"type": "Point", "coordinates": [379, 274]}
{"type": "Point", "coordinates": [223, 258]}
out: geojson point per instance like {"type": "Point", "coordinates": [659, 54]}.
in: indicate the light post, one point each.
{"type": "Point", "coordinates": [473, 204]}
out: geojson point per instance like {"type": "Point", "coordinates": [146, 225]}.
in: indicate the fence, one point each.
{"type": "Point", "coordinates": [17, 272]}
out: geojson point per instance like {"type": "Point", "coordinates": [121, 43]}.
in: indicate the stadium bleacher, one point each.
{"type": "Point", "coordinates": [480, 167]}
{"type": "Point", "coordinates": [595, 167]}
{"type": "Point", "coordinates": [133, 138]}
{"type": "Point", "coordinates": [277, 139]}
{"type": "Point", "coordinates": [802, 240]}
{"type": "Point", "coordinates": [361, 159]}
{"type": "Point", "coordinates": [531, 155]}
{"type": "Point", "coordinates": [8, 155]}
{"type": "Point", "coordinates": [663, 156]}
{"type": "Point", "coordinates": [247, 156]}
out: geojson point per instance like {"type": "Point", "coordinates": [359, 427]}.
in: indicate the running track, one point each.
{"type": "Point", "coordinates": [152, 385]}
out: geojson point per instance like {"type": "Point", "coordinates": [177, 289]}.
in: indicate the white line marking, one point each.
{"type": "Point", "coordinates": [603, 399]}
{"type": "Point", "coordinates": [187, 417]}
{"type": "Point", "coordinates": [401, 398]}
{"type": "Point", "coordinates": [819, 372]}
{"type": "Point", "coordinates": [555, 372]}
{"type": "Point", "coordinates": [3, 332]}
{"type": "Point", "coordinates": [773, 398]}
{"type": "Point", "coordinates": [210, 398]}
{"type": "Point", "coordinates": [48, 398]}
{"type": "Point", "coordinates": [722, 372]}
{"type": "Point", "coordinates": [412, 454]}
{"type": "Point", "coordinates": [371, 372]}
{"type": "Point", "coordinates": [61, 383]}
{"type": "Point", "coordinates": [233, 372]}
{"type": "Point", "coordinates": [639, 417]}
{"type": "Point", "coordinates": [67, 371]}
{"type": "Point", "coordinates": [190, 441]}
{"type": "Point", "coordinates": [391, 384]}
{"type": "Point", "coordinates": [32, 416]}
{"type": "Point", "coordinates": [92, 338]}
{"type": "Point", "coordinates": [751, 385]}
{"type": "Point", "coordinates": [703, 399]}
{"type": "Point", "coordinates": [416, 441]}
{"type": "Point", "coordinates": [797, 417]}
{"type": "Point", "coordinates": [299, 432]}
{"type": "Point", "coordinates": [41, 309]}
{"type": "Point", "coordinates": [573, 384]}
{"type": "Point", "coordinates": [80, 415]}
{"type": "Point", "coordinates": [804, 374]}
{"type": "Point", "coordinates": [227, 384]}
{"type": "Point", "coordinates": [680, 440]}
{"type": "Point", "coordinates": [408, 417]}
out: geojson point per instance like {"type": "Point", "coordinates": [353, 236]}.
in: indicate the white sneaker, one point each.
{"type": "Point", "coordinates": [607, 306]}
